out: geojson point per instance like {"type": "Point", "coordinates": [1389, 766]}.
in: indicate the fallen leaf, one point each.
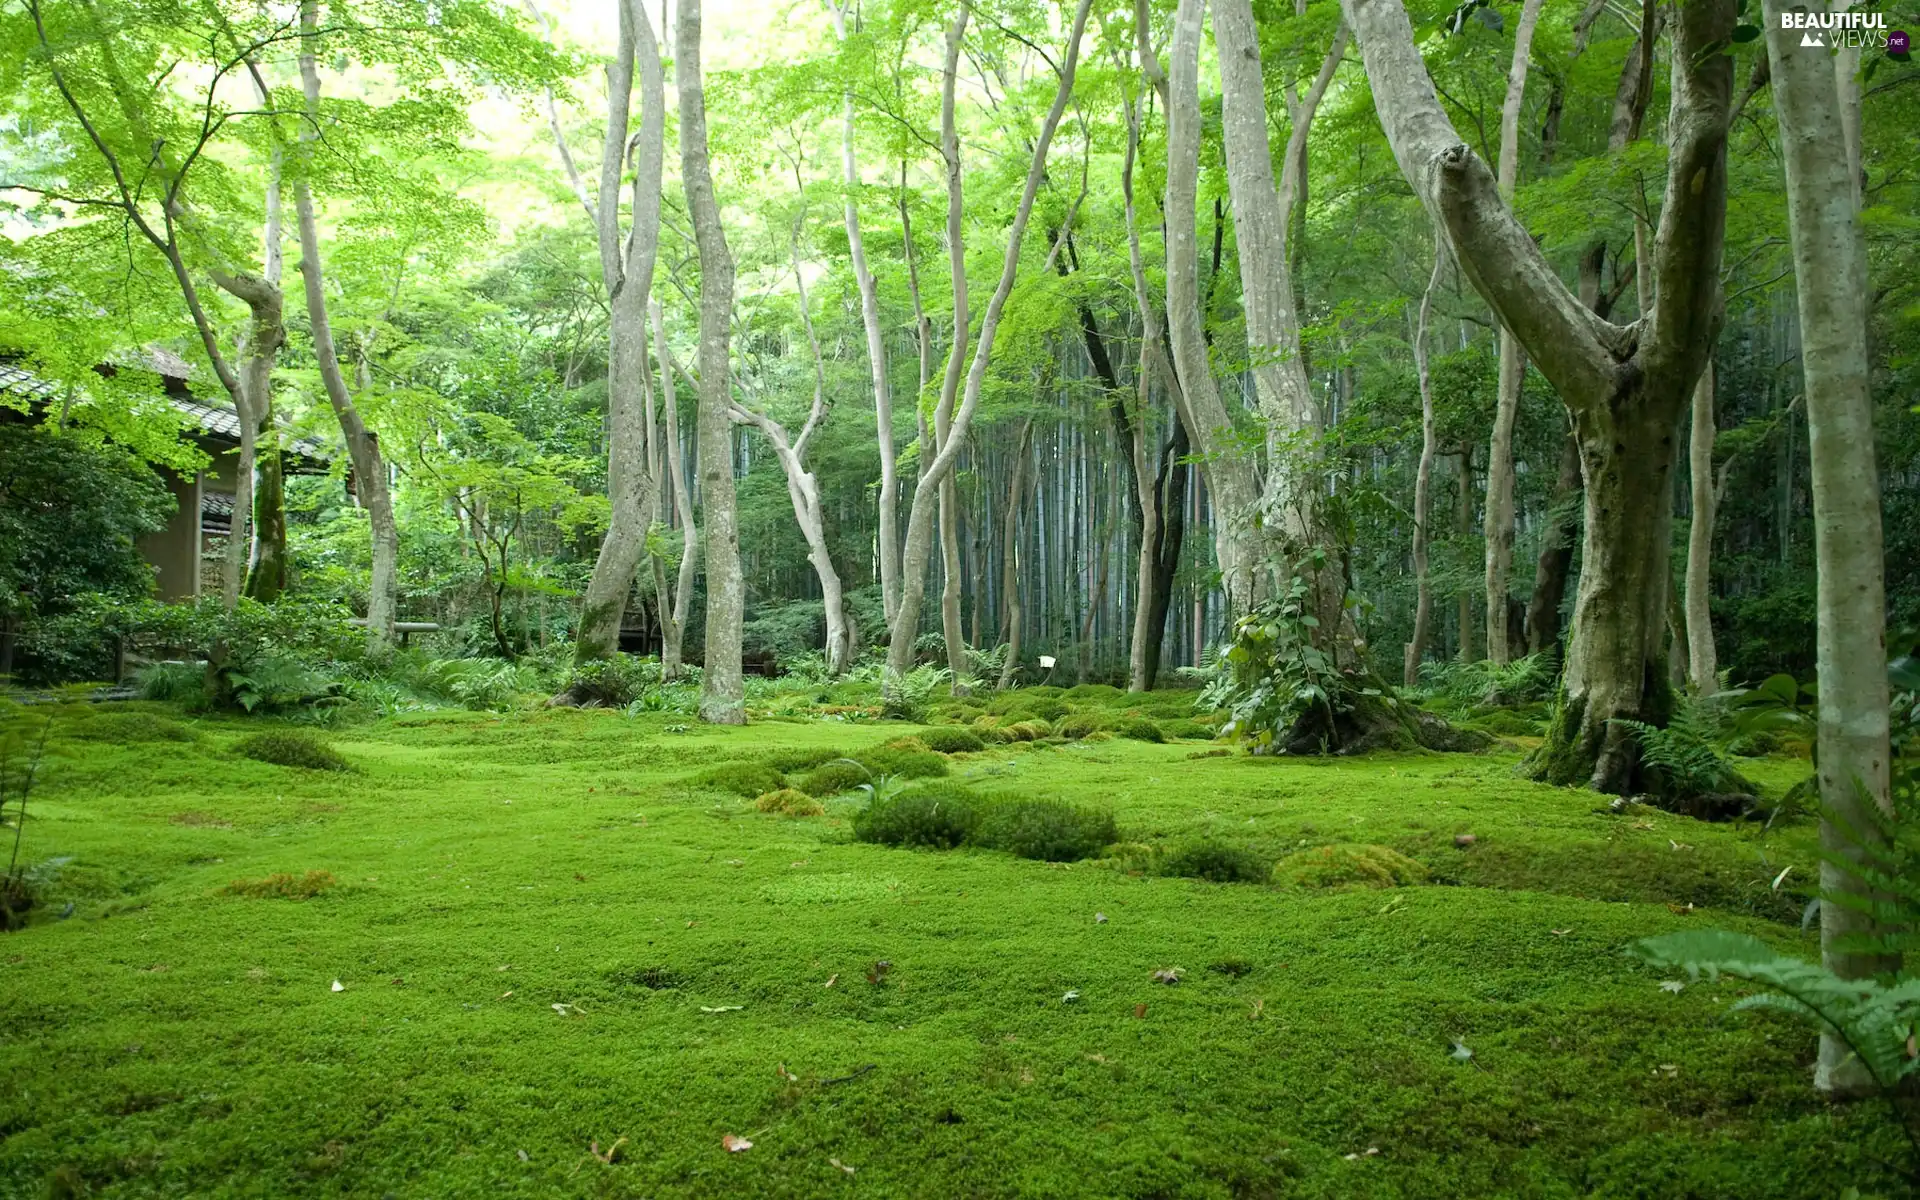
{"type": "Point", "coordinates": [735, 1144]}
{"type": "Point", "coordinates": [1099, 918]}
{"type": "Point", "coordinates": [338, 986]}
{"type": "Point", "coordinates": [1561, 932]}
{"type": "Point", "coordinates": [504, 967]}
{"type": "Point", "coordinates": [1672, 985]}
{"type": "Point", "coordinates": [1357, 1156]}
{"type": "Point", "coordinates": [1168, 975]}
{"type": "Point", "coordinates": [1259, 1006]}
{"type": "Point", "coordinates": [1678, 846]}
{"type": "Point", "coordinates": [567, 1009]}
{"type": "Point", "coordinates": [844, 1167]}
{"type": "Point", "coordinates": [1781, 877]}
{"type": "Point", "coordinates": [593, 1148]}
{"type": "Point", "coordinates": [523, 1155]}
{"type": "Point", "coordinates": [505, 994]}
{"type": "Point", "coordinates": [1913, 1046]}
{"type": "Point", "coordinates": [831, 980]}
{"type": "Point", "coordinates": [1670, 1068]}
{"type": "Point", "coordinates": [1070, 997]}
{"type": "Point", "coordinates": [736, 862]}
{"type": "Point", "coordinates": [720, 1008]}
{"type": "Point", "coordinates": [398, 982]}
{"type": "Point", "coordinates": [781, 1072]}
{"type": "Point", "coordinates": [1460, 1053]}
{"type": "Point", "coordinates": [1681, 910]}
{"type": "Point", "coordinates": [878, 971]}
{"type": "Point", "coordinates": [1463, 840]}
{"type": "Point", "coordinates": [1643, 824]}
{"type": "Point", "coordinates": [579, 877]}
{"type": "Point", "coordinates": [1139, 1012]}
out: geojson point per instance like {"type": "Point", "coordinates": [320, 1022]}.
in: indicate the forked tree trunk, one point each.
{"type": "Point", "coordinates": [1625, 386]}
{"type": "Point", "coordinates": [1814, 100]}
{"type": "Point", "coordinates": [1703, 667]}
{"type": "Point", "coordinates": [254, 409]}
{"type": "Point", "coordinates": [1240, 543]}
{"type": "Point", "coordinates": [673, 603]}
{"type": "Point", "coordinates": [722, 690]}
{"type": "Point", "coordinates": [1423, 479]}
{"type": "Point", "coordinates": [962, 404]}
{"type": "Point", "coordinates": [626, 266]}
{"type": "Point", "coordinates": [369, 467]}
{"type": "Point", "coordinates": [1513, 365]}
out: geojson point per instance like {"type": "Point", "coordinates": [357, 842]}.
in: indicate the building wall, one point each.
{"type": "Point", "coordinates": [174, 551]}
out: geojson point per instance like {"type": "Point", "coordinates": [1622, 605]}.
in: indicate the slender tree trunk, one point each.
{"type": "Point", "coordinates": [963, 404]}
{"type": "Point", "coordinates": [1010, 554]}
{"type": "Point", "coordinates": [369, 467]}
{"type": "Point", "coordinates": [1423, 478]}
{"type": "Point", "coordinates": [1463, 530]}
{"type": "Point", "coordinates": [674, 604]}
{"type": "Point", "coordinates": [951, 631]}
{"type": "Point", "coordinates": [722, 690]}
{"type": "Point", "coordinates": [627, 270]}
{"type": "Point", "coordinates": [889, 532]}
{"type": "Point", "coordinates": [1513, 365]}
{"type": "Point", "coordinates": [266, 573]}
{"type": "Point", "coordinates": [1625, 386]}
{"type": "Point", "coordinates": [1703, 669]}
{"type": "Point", "coordinates": [1555, 561]}
{"type": "Point", "coordinates": [1815, 101]}
{"type": "Point", "coordinates": [254, 404]}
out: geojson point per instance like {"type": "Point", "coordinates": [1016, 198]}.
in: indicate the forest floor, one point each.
{"type": "Point", "coordinates": [565, 969]}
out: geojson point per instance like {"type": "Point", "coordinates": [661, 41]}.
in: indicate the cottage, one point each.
{"type": "Point", "coordinates": [186, 556]}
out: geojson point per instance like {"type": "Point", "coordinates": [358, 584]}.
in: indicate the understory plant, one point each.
{"type": "Point", "coordinates": [23, 749]}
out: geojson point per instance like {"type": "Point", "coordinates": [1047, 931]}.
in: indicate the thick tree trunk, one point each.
{"type": "Point", "coordinates": [722, 690]}
{"type": "Point", "coordinates": [1513, 365]}
{"type": "Point", "coordinates": [963, 404]}
{"type": "Point", "coordinates": [1262, 215]}
{"type": "Point", "coordinates": [627, 271]}
{"type": "Point", "coordinates": [1703, 668]}
{"type": "Point", "coordinates": [1416, 648]}
{"type": "Point", "coordinates": [1625, 386]}
{"type": "Point", "coordinates": [1239, 542]}
{"type": "Point", "coordinates": [1815, 101]}
{"type": "Point", "coordinates": [369, 467]}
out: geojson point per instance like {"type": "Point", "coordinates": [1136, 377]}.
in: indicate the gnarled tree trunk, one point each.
{"type": "Point", "coordinates": [1625, 386]}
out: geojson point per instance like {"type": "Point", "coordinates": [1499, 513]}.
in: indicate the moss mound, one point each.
{"type": "Point", "coordinates": [1215, 862]}
{"type": "Point", "coordinates": [789, 802]}
{"type": "Point", "coordinates": [833, 778]}
{"type": "Point", "coordinates": [743, 779]}
{"type": "Point", "coordinates": [937, 815]}
{"type": "Point", "coordinates": [292, 748]}
{"type": "Point", "coordinates": [1346, 865]}
{"type": "Point", "coordinates": [1049, 830]}
{"type": "Point", "coordinates": [1075, 726]}
{"type": "Point", "coordinates": [127, 728]}
{"type": "Point", "coordinates": [952, 740]}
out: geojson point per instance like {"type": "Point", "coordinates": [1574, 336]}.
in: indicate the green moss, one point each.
{"type": "Point", "coordinates": [790, 802]}
{"type": "Point", "coordinates": [127, 725]}
{"type": "Point", "coordinates": [743, 779]}
{"type": "Point", "coordinates": [1142, 730]}
{"type": "Point", "coordinates": [1080, 724]}
{"type": "Point", "coordinates": [904, 763]}
{"type": "Point", "coordinates": [1215, 862]}
{"type": "Point", "coordinates": [1052, 830]}
{"type": "Point", "coordinates": [291, 748]}
{"type": "Point", "coordinates": [1186, 729]}
{"type": "Point", "coordinates": [1348, 865]}
{"type": "Point", "coordinates": [938, 816]}
{"type": "Point", "coordinates": [1094, 693]}
{"type": "Point", "coordinates": [950, 740]}
{"type": "Point", "coordinates": [833, 778]}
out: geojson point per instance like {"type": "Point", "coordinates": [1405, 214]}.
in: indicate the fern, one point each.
{"type": "Point", "coordinates": [906, 696]}
{"type": "Point", "coordinates": [1884, 856]}
{"type": "Point", "coordinates": [1685, 752]}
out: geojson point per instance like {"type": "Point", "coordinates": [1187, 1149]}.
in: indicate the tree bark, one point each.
{"type": "Point", "coordinates": [722, 690]}
{"type": "Point", "coordinates": [1463, 530]}
{"type": "Point", "coordinates": [1513, 365]}
{"type": "Point", "coordinates": [626, 266]}
{"type": "Point", "coordinates": [673, 604]}
{"type": "Point", "coordinates": [889, 530]}
{"type": "Point", "coordinates": [254, 410]}
{"type": "Point", "coordinates": [1813, 101]}
{"type": "Point", "coordinates": [1555, 561]}
{"type": "Point", "coordinates": [962, 404]}
{"type": "Point", "coordinates": [1010, 555]}
{"type": "Point", "coordinates": [1239, 543]}
{"type": "Point", "coordinates": [1263, 217]}
{"type": "Point", "coordinates": [1625, 386]}
{"type": "Point", "coordinates": [1423, 479]}
{"type": "Point", "coordinates": [1703, 668]}
{"type": "Point", "coordinates": [363, 446]}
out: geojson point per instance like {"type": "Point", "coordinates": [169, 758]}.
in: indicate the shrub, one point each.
{"type": "Point", "coordinates": [1049, 830]}
{"type": "Point", "coordinates": [480, 684]}
{"type": "Point", "coordinates": [833, 778]}
{"type": "Point", "coordinates": [790, 802]}
{"type": "Point", "coordinates": [612, 682]}
{"type": "Point", "coordinates": [1348, 865]}
{"type": "Point", "coordinates": [1142, 730]}
{"type": "Point", "coordinates": [906, 764]}
{"type": "Point", "coordinates": [1215, 862]}
{"type": "Point", "coordinates": [1081, 724]}
{"type": "Point", "coordinates": [952, 740]}
{"type": "Point", "coordinates": [175, 682]}
{"type": "Point", "coordinates": [743, 779]}
{"type": "Point", "coordinates": [283, 886]}
{"type": "Point", "coordinates": [292, 748]}
{"type": "Point", "coordinates": [938, 815]}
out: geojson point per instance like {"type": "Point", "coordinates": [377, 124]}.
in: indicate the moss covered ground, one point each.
{"type": "Point", "coordinates": [567, 969]}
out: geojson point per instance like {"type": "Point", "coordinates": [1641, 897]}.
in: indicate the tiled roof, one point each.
{"type": "Point", "coordinates": [215, 421]}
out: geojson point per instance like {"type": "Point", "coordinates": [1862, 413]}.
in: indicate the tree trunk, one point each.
{"type": "Point", "coordinates": [673, 604]}
{"type": "Point", "coordinates": [626, 266]}
{"type": "Point", "coordinates": [951, 632]}
{"type": "Point", "coordinates": [1703, 668]}
{"type": "Point", "coordinates": [1010, 555]}
{"type": "Point", "coordinates": [1262, 214]}
{"type": "Point", "coordinates": [1555, 561]}
{"type": "Point", "coordinates": [1814, 101]}
{"type": "Point", "coordinates": [266, 573]}
{"type": "Point", "coordinates": [889, 531]}
{"type": "Point", "coordinates": [1423, 480]}
{"type": "Point", "coordinates": [369, 467]}
{"type": "Point", "coordinates": [1463, 530]}
{"type": "Point", "coordinates": [254, 410]}
{"type": "Point", "coordinates": [1625, 386]}
{"type": "Point", "coordinates": [1513, 365]}
{"type": "Point", "coordinates": [1233, 489]}
{"type": "Point", "coordinates": [962, 405]}
{"type": "Point", "coordinates": [722, 690]}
